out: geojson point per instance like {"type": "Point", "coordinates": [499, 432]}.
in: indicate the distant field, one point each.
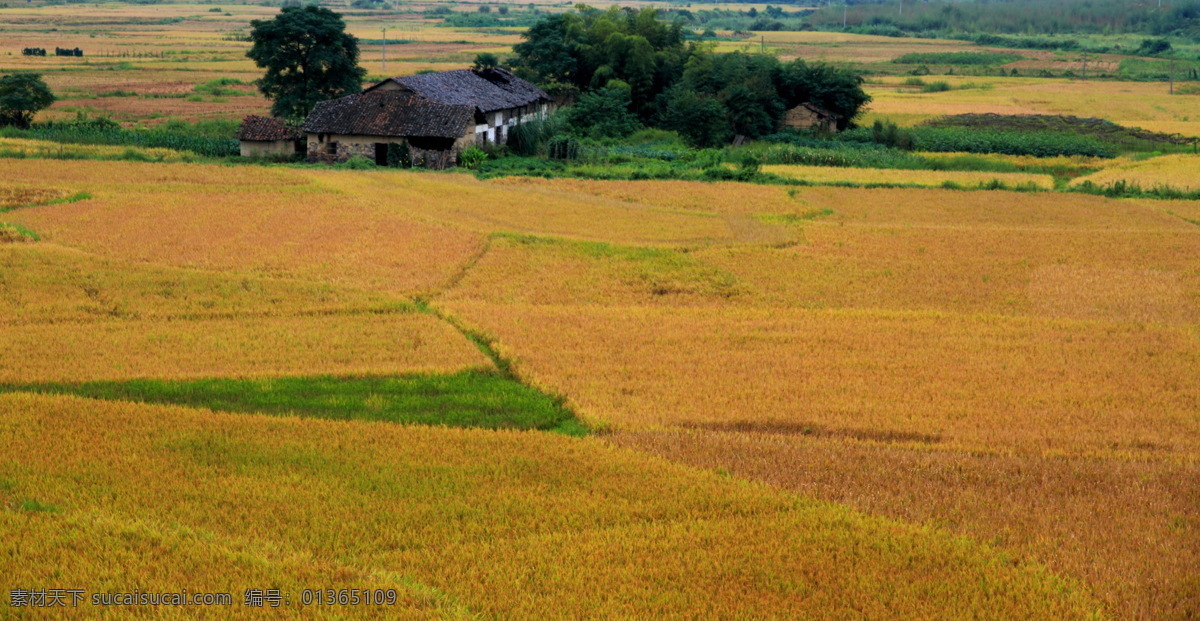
{"type": "Point", "coordinates": [923, 178]}
{"type": "Point", "coordinates": [1176, 171]}
{"type": "Point", "coordinates": [1135, 104]}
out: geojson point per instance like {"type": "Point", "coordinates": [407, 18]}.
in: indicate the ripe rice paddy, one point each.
{"type": "Point", "coordinates": [1181, 172]}
{"type": "Point", "coordinates": [1022, 328]}
{"type": "Point", "coordinates": [803, 401]}
{"type": "Point", "coordinates": [501, 524]}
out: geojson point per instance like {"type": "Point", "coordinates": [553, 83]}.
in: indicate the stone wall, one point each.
{"type": "Point", "coordinates": [348, 146]}
{"type": "Point", "coordinates": [262, 148]}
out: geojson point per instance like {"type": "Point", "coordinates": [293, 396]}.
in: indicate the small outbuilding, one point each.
{"type": "Point", "coordinates": [811, 116]}
{"type": "Point", "coordinates": [366, 124]}
{"type": "Point", "coordinates": [262, 136]}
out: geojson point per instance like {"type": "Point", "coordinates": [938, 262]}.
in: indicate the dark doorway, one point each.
{"type": "Point", "coordinates": [381, 153]}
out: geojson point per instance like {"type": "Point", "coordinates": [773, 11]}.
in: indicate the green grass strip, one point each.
{"type": "Point", "coordinates": [476, 399]}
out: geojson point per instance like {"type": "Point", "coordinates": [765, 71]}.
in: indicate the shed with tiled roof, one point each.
{"type": "Point", "coordinates": [262, 136]}
{"type": "Point", "coordinates": [810, 116]}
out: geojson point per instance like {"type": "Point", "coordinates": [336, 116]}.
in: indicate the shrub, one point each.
{"type": "Point", "coordinates": [936, 87]}
{"type": "Point", "coordinates": [472, 157]}
{"type": "Point", "coordinates": [888, 134]}
{"type": "Point", "coordinates": [529, 138]}
{"type": "Point", "coordinates": [357, 162]}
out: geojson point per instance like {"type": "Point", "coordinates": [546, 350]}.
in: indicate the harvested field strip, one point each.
{"type": "Point", "coordinates": [980, 382]}
{"type": "Point", "coordinates": [1127, 528]}
{"type": "Point", "coordinates": [504, 524]}
{"type": "Point", "coordinates": [465, 399]}
{"type": "Point", "coordinates": [820, 175]}
{"type": "Point", "coordinates": [13, 196]}
{"type": "Point", "coordinates": [360, 344]}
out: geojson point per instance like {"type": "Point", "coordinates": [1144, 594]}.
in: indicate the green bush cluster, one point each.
{"type": "Point", "coordinates": [986, 140]}
{"type": "Point", "coordinates": [957, 58]}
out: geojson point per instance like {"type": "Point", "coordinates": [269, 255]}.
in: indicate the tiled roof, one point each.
{"type": "Point", "coordinates": [819, 111]}
{"type": "Point", "coordinates": [262, 128]}
{"type": "Point", "coordinates": [486, 90]}
{"type": "Point", "coordinates": [389, 113]}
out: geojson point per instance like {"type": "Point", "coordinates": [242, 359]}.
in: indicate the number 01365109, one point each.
{"type": "Point", "coordinates": [348, 597]}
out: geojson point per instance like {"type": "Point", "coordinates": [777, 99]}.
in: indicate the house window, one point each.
{"type": "Point", "coordinates": [331, 148]}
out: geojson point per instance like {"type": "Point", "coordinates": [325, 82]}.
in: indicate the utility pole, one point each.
{"type": "Point", "coordinates": [1085, 66]}
{"type": "Point", "coordinates": [901, 8]}
{"type": "Point", "coordinates": [843, 15]}
{"type": "Point", "coordinates": [1172, 72]}
{"type": "Point", "coordinates": [383, 52]}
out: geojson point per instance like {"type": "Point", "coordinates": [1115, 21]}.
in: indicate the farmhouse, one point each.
{"type": "Point", "coordinates": [500, 100]}
{"type": "Point", "coordinates": [434, 115]}
{"type": "Point", "coordinates": [811, 116]}
{"type": "Point", "coordinates": [366, 124]}
{"type": "Point", "coordinates": [262, 136]}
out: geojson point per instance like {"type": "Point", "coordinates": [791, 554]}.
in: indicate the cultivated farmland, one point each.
{"type": "Point", "coordinates": [962, 330]}
{"type": "Point", "coordinates": [955, 385]}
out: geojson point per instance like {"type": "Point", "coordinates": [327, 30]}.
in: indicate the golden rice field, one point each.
{"type": "Point", "coordinates": [278, 223]}
{"type": "Point", "coordinates": [1181, 172]}
{"type": "Point", "coordinates": [1124, 526]}
{"type": "Point", "coordinates": [965, 363]}
{"type": "Point", "coordinates": [1134, 104]}
{"type": "Point", "coordinates": [922, 178]}
{"type": "Point", "coordinates": [460, 523]}
{"type": "Point", "coordinates": [1018, 368]}
{"type": "Point", "coordinates": [964, 382]}
{"type": "Point", "coordinates": [807, 402]}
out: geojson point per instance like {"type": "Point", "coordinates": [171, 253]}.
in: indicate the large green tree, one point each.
{"type": "Point", "coordinates": [22, 95]}
{"type": "Point", "coordinates": [309, 57]}
{"type": "Point", "coordinates": [590, 48]}
{"type": "Point", "coordinates": [705, 96]}
{"type": "Point", "coordinates": [701, 120]}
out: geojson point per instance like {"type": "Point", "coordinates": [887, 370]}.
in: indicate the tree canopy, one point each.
{"type": "Point", "coordinates": [705, 96]}
{"type": "Point", "coordinates": [22, 95]}
{"type": "Point", "coordinates": [309, 57]}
